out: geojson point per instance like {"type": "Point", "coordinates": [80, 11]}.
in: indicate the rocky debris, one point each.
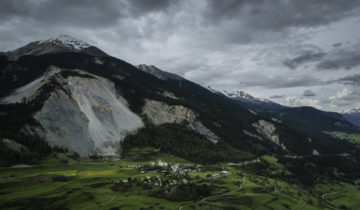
{"type": "Point", "coordinates": [267, 131]}
{"type": "Point", "coordinates": [160, 113]}
{"type": "Point", "coordinates": [315, 152]}
{"type": "Point", "coordinates": [14, 146]}
{"type": "Point", "coordinates": [201, 129]}
{"type": "Point", "coordinates": [169, 95]}
{"type": "Point", "coordinates": [83, 114]}
{"type": "Point", "coordinates": [252, 135]}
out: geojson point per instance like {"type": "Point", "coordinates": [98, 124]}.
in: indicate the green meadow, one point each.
{"type": "Point", "coordinates": [61, 182]}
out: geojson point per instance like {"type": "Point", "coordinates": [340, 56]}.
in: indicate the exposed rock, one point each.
{"type": "Point", "coordinates": [98, 61]}
{"type": "Point", "coordinates": [252, 135]}
{"type": "Point", "coordinates": [160, 113]}
{"type": "Point", "coordinates": [30, 91]}
{"type": "Point", "coordinates": [267, 130]}
{"type": "Point", "coordinates": [169, 95]}
{"type": "Point", "coordinates": [14, 146]}
{"type": "Point", "coordinates": [315, 152]}
{"type": "Point", "coordinates": [276, 120]}
{"type": "Point", "coordinates": [201, 129]}
{"type": "Point", "coordinates": [83, 114]}
{"type": "Point", "coordinates": [29, 130]}
{"type": "Point", "coordinates": [253, 112]}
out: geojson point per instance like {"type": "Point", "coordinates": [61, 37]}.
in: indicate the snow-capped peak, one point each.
{"type": "Point", "coordinates": [67, 40]}
{"type": "Point", "coordinates": [351, 111]}
{"type": "Point", "coordinates": [237, 94]}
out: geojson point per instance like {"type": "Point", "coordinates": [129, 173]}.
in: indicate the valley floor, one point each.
{"type": "Point", "coordinates": [172, 183]}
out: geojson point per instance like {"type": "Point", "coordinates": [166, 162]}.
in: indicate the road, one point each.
{"type": "Point", "coordinates": [113, 198]}
{"type": "Point", "coordinates": [215, 196]}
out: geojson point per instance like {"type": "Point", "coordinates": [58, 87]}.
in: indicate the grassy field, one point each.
{"type": "Point", "coordinates": [62, 183]}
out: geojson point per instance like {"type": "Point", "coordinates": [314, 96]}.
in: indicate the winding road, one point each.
{"type": "Point", "coordinates": [113, 198]}
{"type": "Point", "coordinates": [214, 196]}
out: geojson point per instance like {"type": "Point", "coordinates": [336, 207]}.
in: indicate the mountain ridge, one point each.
{"type": "Point", "coordinates": [165, 105]}
{"type": "Point", "coordinates": [58, 44]}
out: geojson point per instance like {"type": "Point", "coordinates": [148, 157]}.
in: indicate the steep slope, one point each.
{"type": "Point", "coordinates": [301, 118]}
{"type": "Point", "coordinates": [163, 75]}
{"type": "Point", "coordinates": [290, 123]}
{"type": "Point", "coordinates": [82, 113]}
{"type": "Point", "coordinates": [247, 100]}
{"type": "Point", "coordinates": [105, 99]}
{"type": "Point", "coordinates": [353, 116]}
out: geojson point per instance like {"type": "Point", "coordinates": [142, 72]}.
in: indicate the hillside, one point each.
{"type": "Point", "coordinates": [59, 97]}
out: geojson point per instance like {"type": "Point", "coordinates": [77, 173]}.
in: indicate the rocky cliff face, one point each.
{"type": "Point", "coordinates": [83, 113]}
{"type": "Point", "coordinates": [160, 113]}
{"type": "Point", "coordinates": [268, 131]}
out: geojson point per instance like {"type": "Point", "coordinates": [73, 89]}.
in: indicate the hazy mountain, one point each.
{"type": "Point", "coordinates": [353, 115]}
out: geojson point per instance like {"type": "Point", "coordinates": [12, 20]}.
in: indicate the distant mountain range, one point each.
{"type": "Point", "coordinates": [353, 115]}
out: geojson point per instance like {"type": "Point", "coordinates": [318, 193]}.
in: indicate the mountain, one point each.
{"type": "Point", "coordinates": [247, 100]}
{"type": "Point", "coordinates": [304, 118]}
{"type": "Point", "coordinates": [353, 115]}
{"type": "Point", "coordinates": [58, 44]}
{"type": "Point", "coordinates": [160, 74]}
{"type": "Point", "coordinates": [63, 98]}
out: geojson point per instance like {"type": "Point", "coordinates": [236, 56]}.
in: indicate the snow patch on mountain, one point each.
{"type": "Point", "coordinates": [351, 111]}
{"type": "Point", "coordinates": [237, 95]}
{"type": "Point", "coordinates": [57, 44]}
{"type": "Point", "coordinates": [68, 41]}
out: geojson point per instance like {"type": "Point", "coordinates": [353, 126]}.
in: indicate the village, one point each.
{"type": "Point", "coordinates": [171, 174]}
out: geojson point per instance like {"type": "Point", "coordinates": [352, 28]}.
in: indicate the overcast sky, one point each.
{"type": "Point", "coordinates": [293, 52]}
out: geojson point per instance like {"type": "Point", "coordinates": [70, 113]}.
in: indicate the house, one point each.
{"type": "Point", "coordinates": [215, 176]}
{"type": "Point", "coordinates": [224, 173]}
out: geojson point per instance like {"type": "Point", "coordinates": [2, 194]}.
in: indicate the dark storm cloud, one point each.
{"type": "Point", "coordinates": [308, 93]}
{"type": "Point", "coordinates": [141, 6]}
{"type": "Point", "coordinates": [63, 12]}
{"type": "Point", "coordinates": [341, 57]}
{"type": "Point", "coordinates": [308, 56]}
{"type": "Point", "coordinates": [280, 81]}
{"type": "Point", "coordinates": [80, 13]}
{"type": "Point", "coordinates": [232, 43]}
{"type": "Point", "coordinates": [349, 80]}
{"type": "Point", "coordinates": [277, 96]}
{"type": "Point", "coordinates": [276, 16]}
{"type": "Point", "coordinates": [337, 44]}
{"type": "Point", "coordinates": [341, 60]}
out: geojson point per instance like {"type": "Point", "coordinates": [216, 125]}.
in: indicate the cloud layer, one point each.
{"type": "Point", "coordinates": [268, 48]}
